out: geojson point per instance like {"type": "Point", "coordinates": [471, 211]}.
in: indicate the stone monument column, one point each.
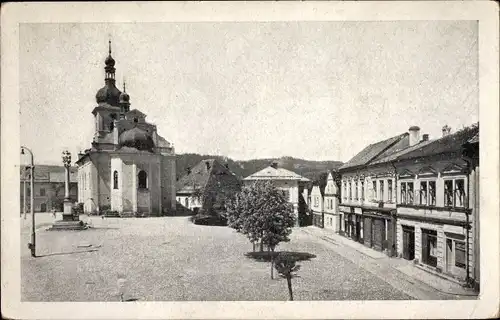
{"type": "Point", "coordinates": [67, 214]}
{"type": "Point", "coordinates": [69, 220]}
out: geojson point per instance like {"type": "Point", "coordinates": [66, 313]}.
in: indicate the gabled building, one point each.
{"type": "Point", "coordinates": [317, 205]}
{"type": "Point", "coordinates": [324, 204]}
{"type": "Point", "coordinates": [206, 186]}
{"type": "Point", "coordinates": [291, 183]}
{"type": "Point", "coordinates": [48, 187]}
{"type": "Point", "coordinates": [331, 216]}
{"type": "Point", "coordinates": [436, 204]}
{"type": "Point", "coordinates": [368, 204]}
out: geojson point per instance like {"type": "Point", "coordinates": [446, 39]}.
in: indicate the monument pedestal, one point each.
{"type": "Point", "coordinates": [69, 220]}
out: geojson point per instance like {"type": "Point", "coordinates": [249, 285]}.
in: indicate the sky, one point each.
{"type": "Point", "coordinates": [247, 90]}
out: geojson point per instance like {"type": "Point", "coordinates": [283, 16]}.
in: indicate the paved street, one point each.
{"type": "Point", "coordinates": [170, 258]}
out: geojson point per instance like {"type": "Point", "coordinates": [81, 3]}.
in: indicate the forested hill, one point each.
{"type": "Point", "coordinates": [314, 170]}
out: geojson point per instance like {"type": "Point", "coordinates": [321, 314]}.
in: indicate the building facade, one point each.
{"type": "Point", "coordinates": [317, 206]}
{"type": "Point", "coordinates": [48, 188]}
{"type": "Point", "coordinates": [291, 183]}
{"type": "Point", "coordinates": [206, 186]}
{"type": "Point", "coordinates": [436, 225]}
{"type": "Point", "coordinates": [130, 168]}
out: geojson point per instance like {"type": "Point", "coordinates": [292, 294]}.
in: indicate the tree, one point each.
{"type": "Point", "coordinates": [262, 213]}
{"type": "Point", "coordinates": [287, 268]}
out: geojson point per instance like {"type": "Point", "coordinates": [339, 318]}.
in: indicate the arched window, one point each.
{"type": "Point", "coordinates": [115, 179]}
{"type": "Point", "coordinates": [143, 180]}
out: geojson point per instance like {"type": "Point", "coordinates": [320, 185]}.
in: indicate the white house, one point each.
{"type": "Point", "coordinates": [288, 181]}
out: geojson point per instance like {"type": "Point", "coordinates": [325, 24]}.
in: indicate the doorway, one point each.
{"type": "Point", "coordinates": [408, 243]}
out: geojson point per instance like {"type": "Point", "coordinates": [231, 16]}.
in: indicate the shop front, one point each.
{"type": "Point", "coordinates": [379, 230]}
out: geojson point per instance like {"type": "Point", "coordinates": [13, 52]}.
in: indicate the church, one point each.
{"type": "Point", "coordinates": [129, 168]}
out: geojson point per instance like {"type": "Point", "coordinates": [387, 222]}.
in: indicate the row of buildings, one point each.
{"type": "Point", "coordinates": [410, 197]}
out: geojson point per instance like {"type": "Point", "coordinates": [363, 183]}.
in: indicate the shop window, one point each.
{"type": "Point", "coordinates": [429, 247]}
{"type": "Point", "coordinates": [42, 192]}
{"type": "Point", "coordinates": [115, 179]}
{"type": "Point", "coordinates": [460, 254]}
{"type": "Point", "coordinates": [143, 180]}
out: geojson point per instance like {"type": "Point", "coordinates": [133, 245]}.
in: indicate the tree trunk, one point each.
{"type": "Point", "coordinates": [289, 282]}
{"type": "Point", "coordinates": [272, 263]}
{"type": "Point", "coordinates": [261, 246]}
{"type": "Point", "coordinates": [253, 245]}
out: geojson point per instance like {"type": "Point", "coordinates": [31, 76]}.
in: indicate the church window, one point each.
{"type": "Point", "coordinates": [115, 179]}
{"type": "Point", "coordinates": [143, 180]}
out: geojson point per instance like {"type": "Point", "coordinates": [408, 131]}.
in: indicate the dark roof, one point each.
{"type": "Point", "coordinates": [208, 174]}
{"type": "Point", "coordinates": [474, 139]}
{"type": "Point", "coordinates": [375, 150]}
{"type": "Point", "coordinates": [452, 143]}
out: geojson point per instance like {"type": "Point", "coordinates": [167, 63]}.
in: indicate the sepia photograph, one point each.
{"type": "Point", "coordinates": [242, 158]}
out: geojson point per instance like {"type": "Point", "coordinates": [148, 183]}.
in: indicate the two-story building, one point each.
{"type": "Point", "coordinates": [368, 204]}
{"type": "Point", "coordinates": [435, 224]}
{"type": "Point", "coordinates": [291, 183]}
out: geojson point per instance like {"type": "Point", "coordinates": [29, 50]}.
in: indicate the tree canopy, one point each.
{"type": "Point", "coordinates": [262, 213]}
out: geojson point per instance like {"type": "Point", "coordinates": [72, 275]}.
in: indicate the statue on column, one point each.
{"type": "Point", "coordinates": [70, 220]}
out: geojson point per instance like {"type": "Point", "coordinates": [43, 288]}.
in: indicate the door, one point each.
{"type": "Point", "coordinates": [367, 230]}
{"type": "Point", "coordinates": [358, 229]}
{"type": "Point", "coordinates": [378, 233]}
{"type": "Point", "coordinates": [408, 243]}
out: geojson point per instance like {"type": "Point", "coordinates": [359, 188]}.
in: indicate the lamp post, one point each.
{"type": "Point", "coordinates": [25, 175]}
{"type": "Point", "coordinates": [32, 244]}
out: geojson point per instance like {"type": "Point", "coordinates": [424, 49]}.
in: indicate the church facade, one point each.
{"type": "Point", "coordinates": [129, 168]}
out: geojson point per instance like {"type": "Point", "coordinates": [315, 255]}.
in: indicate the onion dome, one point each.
{"type": "Point", "coordinates": [136, 138]}
{"type": "Point", "coordinates": [124, 97]}
{"type": "Point", "coordinates": [108, 94]}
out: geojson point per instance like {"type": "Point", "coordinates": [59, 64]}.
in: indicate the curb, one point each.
{"type": "Point", "coordinates": [325, 238]}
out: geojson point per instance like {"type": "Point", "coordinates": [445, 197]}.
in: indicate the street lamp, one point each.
{"type": "Point", "coordinates": [32, 244]}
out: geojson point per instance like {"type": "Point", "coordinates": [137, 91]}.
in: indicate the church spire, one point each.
{"type": "Point", "coordinates": [110, 66]}
{"type": "Point", "coordinates": [124, 99]}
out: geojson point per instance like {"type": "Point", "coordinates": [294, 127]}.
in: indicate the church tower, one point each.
{"type": "Point", "coordinates": [108, 106]}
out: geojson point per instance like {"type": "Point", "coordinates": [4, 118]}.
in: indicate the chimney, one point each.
{"type": "Point", "coordinates": [414, 135]}
{"type": "Point", "coordinates": [188, 170]}
{"type": "Point", "coordinates": [425, 137]}
{"type": "Point", "coordinates": [446, 130]}
{"type": "Point", "coordinates": [208, 165]}
{"type": "Point", "coordinates": [274, 165]}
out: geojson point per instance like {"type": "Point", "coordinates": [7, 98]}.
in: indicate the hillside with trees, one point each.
{"type": "Point", "coordinates": [314, 170]}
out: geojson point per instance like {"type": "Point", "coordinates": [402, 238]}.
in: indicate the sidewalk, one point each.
{"type": "Point", "coordinates": [405, 267]}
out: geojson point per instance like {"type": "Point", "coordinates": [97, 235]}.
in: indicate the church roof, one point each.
{"type": "Point", "coordinates": [136, 138]}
